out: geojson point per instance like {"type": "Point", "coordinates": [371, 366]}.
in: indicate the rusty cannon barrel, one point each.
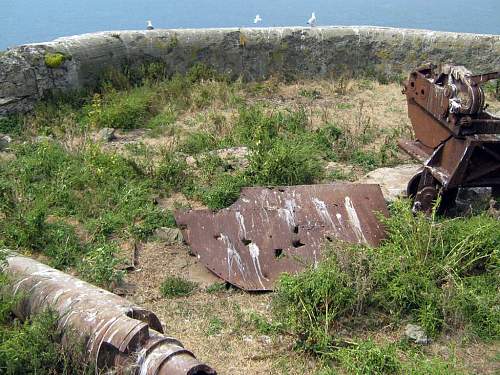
{"type": "Point", "coordinates": [116, 333]}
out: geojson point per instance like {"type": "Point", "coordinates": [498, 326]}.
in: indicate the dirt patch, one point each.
{"type": "Point", "coordinates": [214, 326]}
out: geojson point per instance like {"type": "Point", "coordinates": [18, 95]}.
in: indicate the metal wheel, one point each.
{"type": "Point", "coordinates": [448, 197]}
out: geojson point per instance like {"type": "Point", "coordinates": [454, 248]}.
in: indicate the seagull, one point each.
{"type": "Point", "coordinates": [150, 25]}
{"type": "Point", "coordinates": [312, 20]}
{"type": "Point", "coordinates": [257, 19]}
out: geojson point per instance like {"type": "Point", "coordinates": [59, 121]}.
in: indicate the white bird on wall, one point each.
{"type": "Point", "coordinates": [312, 20]}
{"type": "Point", "coordinates": [257, 19]}
{"type": "Point", "coordinates": [149, 26]}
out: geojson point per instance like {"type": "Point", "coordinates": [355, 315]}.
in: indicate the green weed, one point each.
{"type": "Point", "coordinates": [425, 270]}
{"type": "Point", "coordinates": [201, 72]}
{"type": "Point", "coordinates": [171, 172]}
{"type": "Point", "coordinates": [122, 110]}
{"type": "Point", "coordinates": [98, 266]}
{"type": "Point", "coordinates": [367, 358]}
{"type": "Point", "coordinates": [216, 288]}
{"type": "Point", "coordinates": [33, 347]}
{"type": "Point", "coordinates": [215, 326]}
{"type": "Point", "coordinates": [10, 124]}
{"type": "Point", "coordinates": [310, 94]}
{"type": "Point", "coordinates": [198, 142]}
{"type": "Point", "coordinates": [177, 287]}
{"type": "Point", "coordinates": [223, 192]}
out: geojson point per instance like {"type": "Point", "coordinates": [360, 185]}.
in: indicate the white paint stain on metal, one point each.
{"type": "Point", "coordinates": [339, 218]}
{"type": "Point", "coordinates": [232, 256]}
{"type": "Point", "coordinates": [322, 211]}
{"type": "Point", "coordinates": [288, 212]}
{"type": "Point", "coordinates": [354, 219]}
{"type": "Point", "coordinates": [254, 253]}
{"type": "Point", "coordinates": [241, 222]}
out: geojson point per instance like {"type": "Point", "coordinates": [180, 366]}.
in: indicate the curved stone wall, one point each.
{"type": "Point", "coordinates": [29, 72]}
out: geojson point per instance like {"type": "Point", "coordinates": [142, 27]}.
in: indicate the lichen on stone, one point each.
{"type": "Point", "coordinates": [54, 60]}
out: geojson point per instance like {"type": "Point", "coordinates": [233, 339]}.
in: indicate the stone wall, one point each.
{"type": "Point", "coordinates": [27, 73]}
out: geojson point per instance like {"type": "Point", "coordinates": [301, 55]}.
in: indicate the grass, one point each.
{"type": "Point", "coordinates": [439, 273]}
{"type": "Point", "coordinates": [216, 288]}
{"type": "Point", "coordinates": [177, 287]}
{"type": "Point", "coordinates": [215, 326]}
{"type": "Point", "coordinates": [50, 194]}
{"type": "Point", "coordinates": [81, 205]}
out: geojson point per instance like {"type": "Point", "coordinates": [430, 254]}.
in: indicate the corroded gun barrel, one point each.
{"type": "Point", "coordinates": [116, 333]}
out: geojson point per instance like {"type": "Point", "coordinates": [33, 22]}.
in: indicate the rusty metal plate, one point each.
{"type": "Point", "coordinates": [269, 231]}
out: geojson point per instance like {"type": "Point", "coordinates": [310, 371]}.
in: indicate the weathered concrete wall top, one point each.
{"type": "Point", "coordinates": [26, 76]}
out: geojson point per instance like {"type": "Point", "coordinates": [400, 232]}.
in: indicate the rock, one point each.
{"type": "Point", "coordinates": [494, 208]}
{"type": "Point", "coordinates": [248, 339]}
{"type": "Point", "coordinates": [190, 160]}
{"type": "Point", "coordinates": [5, 142]}
{"type": "Point", "coordinates": [264, 339]}
{"type": "Point", "coordinates": [7, 156]}
{"type": "Point", "coordinates": [393, 181]}
{"type": "Point", "coordinates": [416, 334]}
{"type": "Point", "coordinates": [106, 135]}
{"type": "Point", "coordinates": [472, 200]}
{"type": "Point", "coordinates": [171, 236]}
{"type": "Point", "coordinates": [42, 139]}
{"type": "Point", "coordinates": [237, 157]}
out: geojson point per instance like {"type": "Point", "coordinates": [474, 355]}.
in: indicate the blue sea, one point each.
{"type": "Point", "coordinates": [26, 21]}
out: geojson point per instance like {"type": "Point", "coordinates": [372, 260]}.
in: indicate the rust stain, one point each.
{"type": "Point", "coordinates": [269, 231]}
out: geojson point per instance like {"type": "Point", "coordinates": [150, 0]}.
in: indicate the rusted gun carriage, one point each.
{"type": "Point", "coordinates": [457, 140]}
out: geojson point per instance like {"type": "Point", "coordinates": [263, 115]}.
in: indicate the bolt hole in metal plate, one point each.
{"type": "Point", "coordinates": [269, 231]}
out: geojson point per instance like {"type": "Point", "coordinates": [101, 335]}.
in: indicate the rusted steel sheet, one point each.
{"type": "Point", "coordinates": [116, 333]}
{"type": "Point", "coordinates": [273, 230]}
{"type": "Point", "coordinates": [456, 138]}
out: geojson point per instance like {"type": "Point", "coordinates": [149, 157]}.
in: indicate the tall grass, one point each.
{"type": "Point", "coordinates": [440, 273]}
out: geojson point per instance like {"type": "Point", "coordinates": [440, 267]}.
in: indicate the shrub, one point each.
{"type": "Point", "coordinates": [286, 162]}
{"type": "Point", "coordinates": [369, 358]}
{"type": "Point", "coordinates": [123, 110]}
{"type": "Point", "coordinates": [438, 272]}
{"type": "Point", "coordinates": [177, 287]}
{"type": "Point", "coordinates": [198, 142]}
{"type": "Point", "coordinates": [171, 172]}
{"type": "Point", "coordinates": [201, 72]}
{"type": "Point", "coordinates": [223, 191]}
